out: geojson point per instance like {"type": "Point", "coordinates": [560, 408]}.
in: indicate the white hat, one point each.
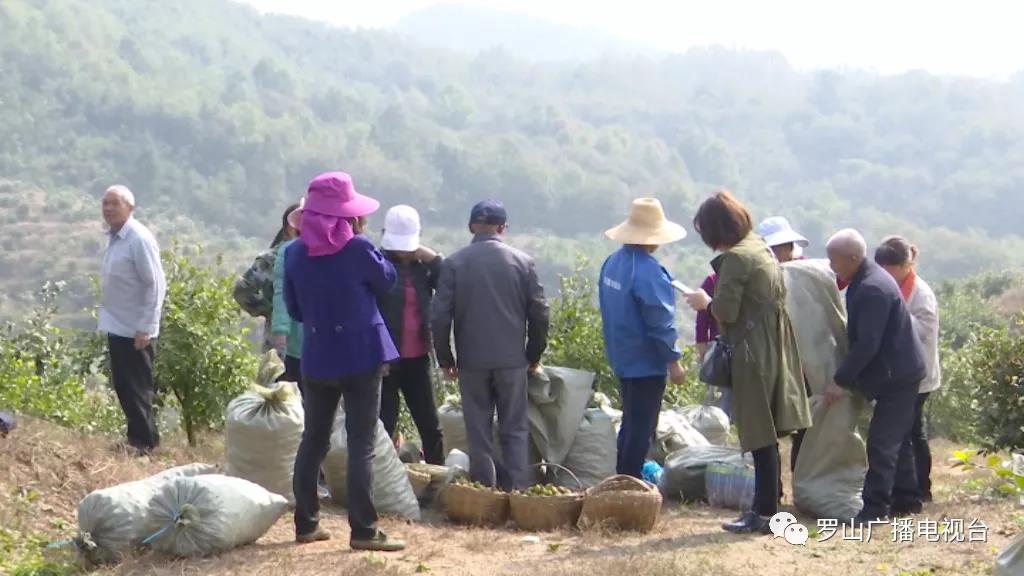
{"type": "Point", "coordinates": [401, 229]}
{"type": "Point", "coordinates": [646, 225]}
{"type": "Point", "coordinates": [777, 231]}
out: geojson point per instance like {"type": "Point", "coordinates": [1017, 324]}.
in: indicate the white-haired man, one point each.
{"type": "Point", "coordinates": [133, 289]}
{"type": "Point", "coordinates": [885, 363]}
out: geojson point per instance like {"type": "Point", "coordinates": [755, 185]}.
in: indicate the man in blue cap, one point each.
{"type": "Point", "coordinates": [491, 294]}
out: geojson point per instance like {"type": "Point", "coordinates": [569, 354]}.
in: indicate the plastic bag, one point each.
{"type": "Point", "coordinates": [674, 433]}
{"type": "Point", "coordinates": [453, 426]}
{"type": "Point", "coordinates": [1010, 560]}
{"type": "Point", "coordinates": [710, 421]}
{"type": "Point", "coordinates": [830, 468]}
{"type": "Point", "coordinates": [205, 515]}
{"type": "Point", "coordinates": [592, 456]}
{"type": "Point", "coordinates": [730, 484]}
{"type": "Point", "coordinates": [557, 400]}
{"type": "Point", "coordinates": [111, 521]}
{"type": "Point", "coordinates": [684, 470]}
{"type": "Point", "coordinates": [262, 431]}
{"type": "Point", "coordinates": [392, 491]}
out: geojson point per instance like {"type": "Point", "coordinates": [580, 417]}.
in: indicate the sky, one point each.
{"type": "Point", "coordinates": [978, 38]}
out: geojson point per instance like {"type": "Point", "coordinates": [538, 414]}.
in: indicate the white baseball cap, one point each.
{"type": "Point", "coordinates": [776, 231]}
{"type": "Point", "coordinates": [401, 229]}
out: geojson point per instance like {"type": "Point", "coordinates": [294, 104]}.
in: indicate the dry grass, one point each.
{"type": "Point", "coordinates": [61, 468]}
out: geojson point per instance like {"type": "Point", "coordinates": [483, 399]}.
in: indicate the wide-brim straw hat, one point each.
{"type": "Point", "coordinates": [646, 225]}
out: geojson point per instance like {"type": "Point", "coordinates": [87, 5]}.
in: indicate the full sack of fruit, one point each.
{"type": "Point", "coordinates": [262, 430]}
{"type": "Point", "coordinates": [112, 521]}
{"type": "Point", "coordinates": [392, 491]}
{"type": "Point", "coordinates": [204, 515]}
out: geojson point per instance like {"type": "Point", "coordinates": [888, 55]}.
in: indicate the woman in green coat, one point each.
{"type": "Point", "coordinates": [768, 395]}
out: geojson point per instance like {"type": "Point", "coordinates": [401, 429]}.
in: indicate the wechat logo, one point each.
{"type": "Point", "coordinates": [784, 525]}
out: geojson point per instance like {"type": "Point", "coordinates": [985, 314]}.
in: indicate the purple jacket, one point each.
{"type": "Point", "coordinates": [335, 298]}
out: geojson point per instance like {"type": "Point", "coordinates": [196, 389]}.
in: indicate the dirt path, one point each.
{"type": "Point", "coordinates": [61, 468]}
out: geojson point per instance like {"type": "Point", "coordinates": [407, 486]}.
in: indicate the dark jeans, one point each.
{"type": "Point", "coordinates": [641, 404]}
{"type": "Point", "coordinates": [483, 391]}
{"type": "Point", "coordinates": [922, 452]}
{"type": "Point", "coordinates": [891, 478]}
{"type": "Point", "coordinates": [766, 480]}
{"type": "Point", "coordinates": [362, 405]}
{"type": "Point", "coordinates": [411, 377]}
{"type": "Point", "coordinates": [132, 373]}
{"type": "Point", "coordinates": [292, 371]}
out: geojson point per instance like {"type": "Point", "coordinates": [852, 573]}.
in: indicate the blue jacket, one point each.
{"type": "Point", "coordinates": [885, 351]}
{"type": "Point", "coordinates": [638, 312]}
{"type": "Point", "coordinates": [335, 298]}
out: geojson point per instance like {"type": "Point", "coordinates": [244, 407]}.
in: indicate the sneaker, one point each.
{"type": "Point", "coordinates": [317, 535]}
{"type": "Point", "coordinates": [380, 542]}
{"type": "Point", "coordinates": [749, 523]}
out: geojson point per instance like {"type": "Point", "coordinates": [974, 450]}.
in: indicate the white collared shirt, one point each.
{"type": "Point", "coordinates": [132, 283]}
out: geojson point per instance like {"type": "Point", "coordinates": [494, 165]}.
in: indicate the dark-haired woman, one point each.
{"type": "Point", "coordinates": [899, 258]}
{"type": "Point", "coordinates": [768, 396]}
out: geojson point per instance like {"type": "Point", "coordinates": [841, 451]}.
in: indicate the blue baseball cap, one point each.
{"type": "Point", "coordinates": [488, 212]}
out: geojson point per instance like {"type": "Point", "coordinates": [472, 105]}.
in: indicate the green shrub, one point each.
{"type": "Point", "coordinates": [576, 339]}
{"type": "Point", "coordinates": [46, 371]}
{"type": "Point", "coordinates": [203, 358]}
{"type": "Point", "coordinates": [969, 325]}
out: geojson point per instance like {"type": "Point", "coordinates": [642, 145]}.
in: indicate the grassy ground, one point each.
{"type": "Point", "coordinates": [46, 470]}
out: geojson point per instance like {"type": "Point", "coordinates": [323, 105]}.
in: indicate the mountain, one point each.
{"type": "Point", "coordinates": [475, 29]}
{"type": "Point", "coordinates": [217, 117]}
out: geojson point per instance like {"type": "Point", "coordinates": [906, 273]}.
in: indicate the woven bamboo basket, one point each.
{"type": "Point", "coordinates": [545, 513]}
{"type": "Point", "coordinates": [420, 481]}
{"type": "Point", "coordinates": [469, 505]}
{"type": "Point", "coordinates": [622, 502]}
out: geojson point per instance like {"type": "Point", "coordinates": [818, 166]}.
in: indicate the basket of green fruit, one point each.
{"type": "Point", "coordinates": [468, 502]}
{"type": "Point", "coordinates": [546, 507]}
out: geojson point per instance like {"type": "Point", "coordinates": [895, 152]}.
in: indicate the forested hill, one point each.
{"type": "Point", "coordinates": [217, 117]}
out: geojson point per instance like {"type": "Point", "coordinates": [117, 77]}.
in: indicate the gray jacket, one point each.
{"type": "Point", "coordinates": [491, 293]}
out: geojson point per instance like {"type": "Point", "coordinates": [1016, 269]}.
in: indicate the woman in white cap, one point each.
{"type": "Point", "coordinates": [638, 312]}
{"type": "Point", "coordinates": [785, 242]}
{"type": "Point", "coordinates": [406, 311]}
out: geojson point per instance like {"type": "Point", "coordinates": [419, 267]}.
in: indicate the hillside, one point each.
{"type": "Point", "coordinates": [217, 117]}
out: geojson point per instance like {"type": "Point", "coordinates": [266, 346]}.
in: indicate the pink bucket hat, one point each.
{"type": "Point", "coordinates": [333, 194]}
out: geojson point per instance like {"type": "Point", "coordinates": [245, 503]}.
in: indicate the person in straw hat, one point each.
{"type": "Point", "coordinates": [638, 312]}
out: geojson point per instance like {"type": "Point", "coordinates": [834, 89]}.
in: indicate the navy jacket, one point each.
{"type": "Point", "coordinates": [885, 351]}
{"type": "Point", "coordinates": [335, 298]}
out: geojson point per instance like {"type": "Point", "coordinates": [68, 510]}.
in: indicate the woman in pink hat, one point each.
{"type": "Point", "coordinates": [333, 277]}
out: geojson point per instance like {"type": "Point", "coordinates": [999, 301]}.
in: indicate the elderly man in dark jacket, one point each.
{"type": "Point", "coordinates": [886, 364]}
{"type": "Point", "coordinates": [490, 292]}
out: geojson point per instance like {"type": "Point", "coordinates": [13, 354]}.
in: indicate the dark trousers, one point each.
{"type": "Point", "coordinates": [362, 405]}
{"type": "Point", "coordinates": [411, 377]}
{"type": "Point", "coordinates": [132, 373]}
{"type": "Point", "coordinates": [641, 404]}
{"type": "Point", "coordinates": [766, 480]}
{"type": "Point", "coordinates": [483, 391]}
{"type": "Point", "coordinates": [922, 452]}
{"type": "Point", "coordinates": [891, 478]}
{"type": "Point", "coordinates": [292, 371]}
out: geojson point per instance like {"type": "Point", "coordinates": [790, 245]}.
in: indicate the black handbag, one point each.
{"type": "Point", "coordinates": [716, 368]}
